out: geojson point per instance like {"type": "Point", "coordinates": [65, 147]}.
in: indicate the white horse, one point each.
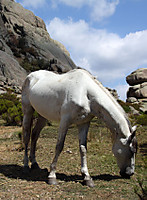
{"type": "Point", "coordinates": [75, 98]}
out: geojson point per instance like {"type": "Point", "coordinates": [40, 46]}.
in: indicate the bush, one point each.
{"type": "Point", "coordinates": [142, 119]}
{"type": "Point", "coordinates": [11, 109]}
{"type": "Point", "coordinates": [10, 96]}
{"type": "Point", "coordinates": [27, 66]}
{"type": "Point", "coordinates": [13, 116]}
{"type": "Point", "coordinates": [126, 106]}
{"type": "Point", "coordinates": [4, 105]}
{"type": "Point", "coordinates": [35, 64]}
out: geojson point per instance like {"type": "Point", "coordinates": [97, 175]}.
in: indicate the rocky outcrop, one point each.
{"type": "Point", "coordinates": [113, 92]}
{"type": "Point", "coordinates": [24, 38]}
{"type": "Point", "coordinates": [11, 73]}
{"type": "Point", "coordinates": [137, 77]}
{"type": "Point", "coordinates": [137, 93]}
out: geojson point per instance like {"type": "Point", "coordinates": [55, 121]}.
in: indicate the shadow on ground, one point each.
{"type": "Point", "coordinates": [16, 172]}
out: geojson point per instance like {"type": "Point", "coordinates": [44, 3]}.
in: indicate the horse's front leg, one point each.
{"type": "Point", "coordinates": [83, 131]}
{"type": "Point", "coordinates": [59, 147]}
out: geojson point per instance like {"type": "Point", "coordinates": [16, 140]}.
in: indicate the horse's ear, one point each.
{"type": "Point", "coordinates": [131, 137]}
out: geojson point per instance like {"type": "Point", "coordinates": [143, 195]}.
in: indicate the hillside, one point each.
{"type": "Point", "coordinates": [26, 44]}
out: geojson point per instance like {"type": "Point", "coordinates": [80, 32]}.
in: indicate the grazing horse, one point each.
{"type": "Point", "coordinates": [75, 98]}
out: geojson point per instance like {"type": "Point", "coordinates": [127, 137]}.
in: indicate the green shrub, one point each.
{"type": "Point", "coordinates": [4, 105]}
{"type": "Point", "coordinates": [35, 64]}
{"type": "Point", "coordinates": [10, 109]}
{"type": "Point", "coordinates": [13, 116]}
{"type": "Point", "coordinates": [142, 119]}
{"type": "Point", "coordinates": [10, 96]}
{"type": "Point", "coordinates": [126, 106]}
{"type": "Point", "coordinates": [27, 66]}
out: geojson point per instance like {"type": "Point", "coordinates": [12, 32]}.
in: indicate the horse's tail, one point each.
{"type": "Point", "coordinates": [25, 92]}
{"type": "Point", "coordinates": [25, 85]}
{"type": "Point", "coordinates": [29, 82]}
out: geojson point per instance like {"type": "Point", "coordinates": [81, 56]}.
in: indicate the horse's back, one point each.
{"type": "Point", "coordinates": [75, 79]}
{"type": "Point", "coordinates": [50, 93]}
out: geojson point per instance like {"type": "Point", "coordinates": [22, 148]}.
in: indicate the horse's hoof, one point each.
{"type": "Point", "coordinates": [35, 166]}
{"type": "Point", "coordinates": [52, 181]}
{"type": "Point", "coordinates": [89, 183]}
{"type": "Point", "coordinates": [26, 170]}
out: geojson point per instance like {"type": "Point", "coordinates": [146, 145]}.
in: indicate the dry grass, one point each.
{"type": "Point", "coordinates": [102, 167]}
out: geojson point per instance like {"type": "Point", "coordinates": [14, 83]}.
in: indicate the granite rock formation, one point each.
{"type": "Point", "coordinates": [113, 92]}
{"type": "Point", "coordinates": [25, 43]}
{"type": "Point", "coordinates": [137, 92]}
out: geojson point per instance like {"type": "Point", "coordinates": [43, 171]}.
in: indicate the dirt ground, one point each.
{"type": "Point", "coordinates": [14, 184]}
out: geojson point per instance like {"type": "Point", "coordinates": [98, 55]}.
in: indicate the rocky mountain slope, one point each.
{"type": "Point", "coordinates": [25, 43]}
{"type": "Point", "coordinates": [137, 92]}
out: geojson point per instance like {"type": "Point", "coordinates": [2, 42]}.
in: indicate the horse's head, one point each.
{"type": "Point", "coordinates": [124, 151]}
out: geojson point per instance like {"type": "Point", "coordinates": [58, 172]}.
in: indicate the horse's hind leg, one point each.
{"type": "Point", "coordinates": [27, 123]}
{"type": "Point", "coordinates": [41, 121]}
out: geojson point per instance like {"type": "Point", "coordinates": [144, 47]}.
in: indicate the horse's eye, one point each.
{"type": "Point", "coordinates": [119, 151]}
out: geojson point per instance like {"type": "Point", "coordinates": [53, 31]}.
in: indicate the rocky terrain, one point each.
{"type": "Point", "coordinates": [25, 45]}
{"type": "Point", "coordinates": [113, 92]}
{"type": "Point", "coordinates": [137, 92]}
{"type": "Point", "coordinates": [11, 73]}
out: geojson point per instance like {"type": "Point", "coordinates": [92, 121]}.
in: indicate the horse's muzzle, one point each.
{"type": "Point", "coordinates": [126, 175]}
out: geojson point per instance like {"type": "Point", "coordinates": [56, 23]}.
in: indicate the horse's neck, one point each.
{"type": "Point", "coordinates": [108, 109]}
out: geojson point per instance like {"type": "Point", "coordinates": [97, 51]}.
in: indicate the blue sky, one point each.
{"type": "Point", "coordinates": [107, 37]}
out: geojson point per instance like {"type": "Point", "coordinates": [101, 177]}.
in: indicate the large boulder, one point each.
{"type": "Point", "coordinates": [137, 77]}
{"type": "Point", "coordinates": [10, 70]}
{"type": "Point", "coordinates": [137, 93]}
{"type": "Point", "coordinates": [25, 45]}
{"type": "Point", "coordinates": [11, 74]}
{"type": "Point", "coordinates": [26, 35]}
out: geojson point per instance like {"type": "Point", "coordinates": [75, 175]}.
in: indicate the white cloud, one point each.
{"type": "Point", "coordinates": [102, 9]}
{"type": "Point", "coordinates": [75, 3]}
{"type": "Point", "coordinates": [122, 91]}
{"type": "Point", "coordinates": [98, 9]}
{"type": "Point", "coordinates": [106, 55]}
{"type": "Point", "coordinates": [33, 3]}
